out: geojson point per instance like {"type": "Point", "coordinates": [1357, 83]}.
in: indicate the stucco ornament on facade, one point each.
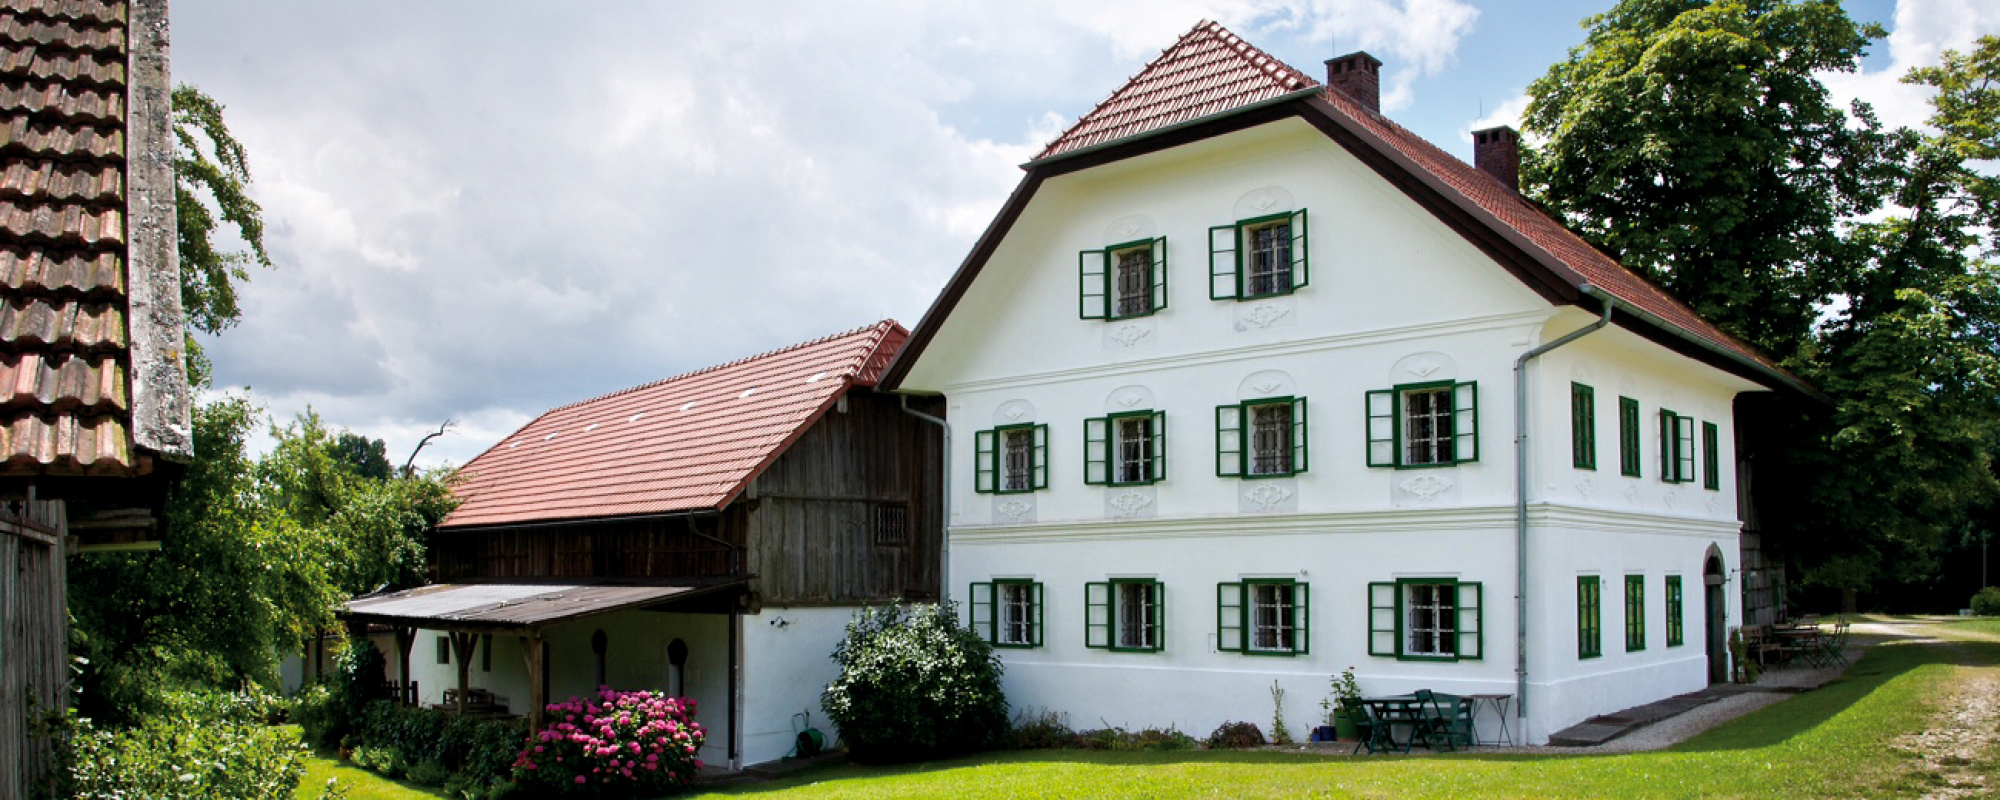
{"type": "Point", "coordinates": [1014, 509]}
{"type": "Point", "coordinates": [1267, 496]}
{"type": "Point", "coordinates": [1129, 503]}
{"type": "Point", "coordinates": [1585, 487]}
{"type": "Point", "coordinates": [1423, 369]}
{"type": "Point", "coordinates": [1130, 399]}
{"type": "Point", "coordinates": [1263, 315]}
{"type": "Point", "coordinates": [1425, 487]}
{"type": "Point", "coordinates": [1130, 333]}
{"type": "Point", "coordinates": [1632, 493]}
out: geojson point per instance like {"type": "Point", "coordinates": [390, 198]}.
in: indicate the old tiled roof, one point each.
{"type": "Point", "coordinates": [1209, 71]}
{"type": "Point", "coordinates": [686, 443]}
{"type": "Point", "coordinates": [65, 350]}
{"type": "Point", "coordinates": [1210, 75]}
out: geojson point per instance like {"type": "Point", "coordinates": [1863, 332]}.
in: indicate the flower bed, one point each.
{"type": "Point", "coordinates": [614, 743]}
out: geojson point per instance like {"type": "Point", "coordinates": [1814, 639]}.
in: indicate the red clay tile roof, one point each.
{"type": "Point", "coordinates": [1209, 71]}
{"type": "Point", "coordinates": [686, 443]}
{"type": "Point", "coordinates": [65, 404]}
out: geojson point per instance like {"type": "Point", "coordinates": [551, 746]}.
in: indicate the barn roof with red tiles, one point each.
{"type": "Point", "coordinates": [1209, 71]}
{"type": "Point", "coordinates": [86, 244]}
{"type": "Point", "coordinates": [1212, 76]}
{"type": "Point", "coordinates": [686, 443]}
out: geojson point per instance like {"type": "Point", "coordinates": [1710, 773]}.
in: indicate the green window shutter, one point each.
{"type": "Point", "coordinates": [1159, 620]}
{"type": "Point", "coordinates": [1385, 633]}
{"type": "Point", "coordinates": [1666, 445]}
{"type": "Point", "coordinates": [985, 461]}
{"type": "Point", "coordinates": [1583, 426]}
{"type": "Point", "coordinates": [1301, 618]}
{"type": "Point", "coordinates": [1229, 441]}
{"type": "Point", "coordinates": [1038, 461]}
{"type": "Point", "coordinates": [1674, 609]}
{"type": "Point", "coordinates": [1465, 421]}
{"type": "Point", "coordinates": [980, 610]}
{"type": "Point", "coordinates": [1683, 449]}
{"type": "Point", "coordinates": [1635, 613]}
{"type": "Point", "coordinates": [1471, 622]}
{"type": "Point", "coordinates": [1158, 469]}
{"type": "Point", "coordinates": [1711, 459]}
{"type": "Point", "coordinates": [1097, 615]}
{"type": "Point", "coordinates": [1587, 640]}
{"type": "Point", "coordinates": [1628, 437]}
{"type": "Point", "coordinates": [1229, 617]}
{"type": "Point", "coordinates": [1159, 273]}
{"type": "Point", "coordinates": [1035, 632]}
{"type": "Point", "coordinates": [1093, 280]}
{"type": "Point", "coordinates": [1223, 283]}
{"type": "Point", "coordinates": [1301, 272]}
{"type": "Point", "coordinates": [1298, 435]}
{"type": "Point", "coordinates": [1380, 406]}
{"type": "Point", "coordinates": [1097, 451]}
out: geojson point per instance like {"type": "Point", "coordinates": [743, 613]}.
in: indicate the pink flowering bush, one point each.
{"type": "Point", "coordinates": [613, 744]}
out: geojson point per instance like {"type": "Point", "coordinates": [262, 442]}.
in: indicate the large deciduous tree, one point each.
{"type": "Point", "coordinates": [1693, 141]}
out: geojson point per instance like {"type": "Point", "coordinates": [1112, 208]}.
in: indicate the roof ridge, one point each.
{"type": "Point", "coordinates": [884, 326]}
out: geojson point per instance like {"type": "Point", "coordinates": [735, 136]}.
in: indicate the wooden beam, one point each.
{"type": "Point", "coordinates": [461, 649]}
{"type": "Point", "coordinates": [405, 639]}
{"type": "Point", "coordinates": [538, 689]}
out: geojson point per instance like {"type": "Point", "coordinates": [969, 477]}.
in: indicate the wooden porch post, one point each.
{"type": "Point", "coordinates": [461, 649]}
{"type": "Point", "coordinates": [538, 690]}
{"type": "Point", "coordinates": [405, 639]}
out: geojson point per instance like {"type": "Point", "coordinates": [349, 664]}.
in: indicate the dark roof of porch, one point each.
{"type": "Point", "coordinates": [519, 605]}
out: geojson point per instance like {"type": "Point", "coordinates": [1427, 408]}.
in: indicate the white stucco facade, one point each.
{"type": "Point", "coordinates": [1394, 297]}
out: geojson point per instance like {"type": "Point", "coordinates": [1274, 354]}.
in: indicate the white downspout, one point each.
{"type": "Point", "coordinates": [944, 502]}
{"type": "Point", "coordinates": [1521, 496]}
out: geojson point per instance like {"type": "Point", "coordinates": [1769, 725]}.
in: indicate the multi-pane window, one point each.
{"type": "Point", "coordinates": [1011, 458]}
{"type": "Point", "coordinates": [1711, 456]}
{"type": "Point", "coordinates": [1583, 426]}
{"type": "Point", "coordinates": [1675, 608]}
{"type": "Point", "coordinates": [892, 524]}
{"type": "Point", "coordinates": [1008, 612]}
{"type": "Point", "coordinates": [1589, 630]}
{"type": "Point", "coordinates": [1425, 619]}
{"type": "Point", "coordinates": [1262, 617]}
{"type": "Point", "coordinates": [1127, 280]}
{"type": "Point", "coordinates": [1676, 447]}
{"type": "Point", "coordinates": [1261, 438]}
{"type": "Point", "coordinates": [1258, 257]}
{"type": "Point", "coordinates": [1635, 613]}
{"type": "Point", "coordinates": [1124, 614]}
{"type": "Point", "coordinates": [1628, 436]}
{"type": "Point", "coordinates": [1423, 425]}
{"type": "Point", "coordinates": [1125, 449]}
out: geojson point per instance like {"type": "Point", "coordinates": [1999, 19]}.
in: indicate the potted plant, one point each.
{"type": "Point", "coordinates": [1344, 688]}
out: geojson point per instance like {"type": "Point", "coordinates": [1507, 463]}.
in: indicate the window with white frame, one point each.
{"type": "Point", "coordinates": [1258, 257]}
{"type": "Point", "coordinates": [1008, 613]}
{"type": "Point", "coordinates": [1125, 449]}
{"type": "Point", "coordinates": [1124, 614]}
{"type": "Point", "coordinates": [1261, 438]}
{"type": "Point", "coordinates": [1426, 619]}
{"type": "Point", "coordinates": [1423, 425]}
{"type": "Point", "coordinates": [1011, 459]}
{"type": "Point", "coordinates": [1122, 281]}
{"type": "Point", "coordinates": [1262, 617]}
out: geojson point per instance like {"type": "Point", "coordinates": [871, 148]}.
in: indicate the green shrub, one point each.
{"type": "Point", "coordinates": [1047, 730]}
{"type": "Point", "coordinates": [1124, 740]}
{"type": "Point", "coordinates": [177, 756]}
{"type": "Point", "coordinates": [914, 685]}
{"type": "Point", "coordinates": [429, 773]}
{"type": "Point", "coordinates": [1234, 735]}
{"type": "Point", "coordinates": [1986, 602]}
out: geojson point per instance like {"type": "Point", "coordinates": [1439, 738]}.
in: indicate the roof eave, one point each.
{"type": "Point", "coordinates": [1169, 129]}
{"type": "Point", "coordinates": [1772, 377]}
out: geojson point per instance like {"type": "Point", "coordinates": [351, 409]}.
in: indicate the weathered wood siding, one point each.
{"type": "Point", "coordinates": [646, 548]}
{"type": "Point", "coordinates": [34, 632]}
{"type": "Point", "coordinates": [822, 517]}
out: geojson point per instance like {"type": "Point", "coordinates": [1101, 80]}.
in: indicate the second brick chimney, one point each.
{"type": "Point", "coordinates": [1357, 76]}
{"type": "Point", "coordinates": [1497, 152]}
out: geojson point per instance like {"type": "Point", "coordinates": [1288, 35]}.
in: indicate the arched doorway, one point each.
{"type": "Point", "coordinates": [1715, 611]}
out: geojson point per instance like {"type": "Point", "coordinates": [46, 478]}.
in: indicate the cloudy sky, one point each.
{"type": "Point", "coordinates": [480, 210]}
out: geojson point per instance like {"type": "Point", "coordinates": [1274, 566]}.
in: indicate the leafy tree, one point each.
{"type": "Point", "coordinates": [1692, 140]}
{"type": "Point", "coordinates": [211, 188]}
{"type": "Point", "coordinates": [368, 458]}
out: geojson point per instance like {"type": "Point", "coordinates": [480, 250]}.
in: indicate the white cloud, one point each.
{"type": "Point", "coordinates": [1922, 31]}
{"type": "Point", "coordinates": [1508, 113]}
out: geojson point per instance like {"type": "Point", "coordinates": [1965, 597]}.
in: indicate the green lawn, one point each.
{"type": "Point", "coordinates": [1826, 743]}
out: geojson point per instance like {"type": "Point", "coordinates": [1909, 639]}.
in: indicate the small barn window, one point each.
{"type": "Point", "coordinates": [444, 649]}
{"type": "Point", "coordinates": [892, 525]}
{"type": "Point", "coordinates": [486, 653]}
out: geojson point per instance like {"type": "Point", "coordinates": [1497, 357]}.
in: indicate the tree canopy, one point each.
{"type": "Point", "coordinates": [1694, 141]}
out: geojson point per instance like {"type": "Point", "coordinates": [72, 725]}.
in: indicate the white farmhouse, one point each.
{"type": "Point", "coordinates": [1235, 380]}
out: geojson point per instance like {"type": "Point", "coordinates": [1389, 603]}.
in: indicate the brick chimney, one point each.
{"type": "Point", "coordinates": [1357, 75]}
{"type": "Point", "coordinates": [1497, 152]}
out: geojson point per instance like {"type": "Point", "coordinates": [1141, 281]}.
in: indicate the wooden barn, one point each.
{"type": "Point", "coordinates": [93, 390]}
{"type": "Point", "coordinates": [709, 535]}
